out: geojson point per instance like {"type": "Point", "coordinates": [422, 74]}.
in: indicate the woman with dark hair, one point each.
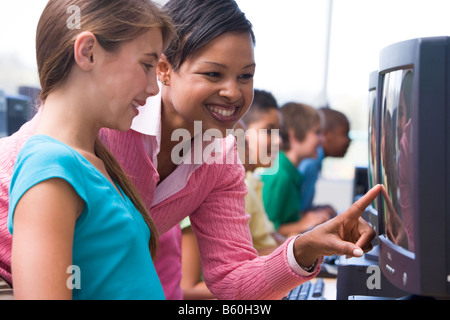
{"type": "Point", "coordinates": [207, 86]}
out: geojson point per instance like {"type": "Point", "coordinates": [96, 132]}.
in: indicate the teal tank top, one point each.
{"type": "Point", "coordinates": [111, 239]}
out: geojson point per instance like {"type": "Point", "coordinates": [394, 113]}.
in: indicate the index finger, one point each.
{"type": "Point", "coordinates": [357, 209]}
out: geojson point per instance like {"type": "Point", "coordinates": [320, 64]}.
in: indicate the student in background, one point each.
{"type": "Point", "coordinates": [192, 282]}
{"type": "Point", "coordinates": [335, 142]}
{"type": "Point", "coordinates": [70, 204]}
{"type": "Point", "coordinates": [299, 140]}
{"type": "Point", "coordinates": [260, 130]}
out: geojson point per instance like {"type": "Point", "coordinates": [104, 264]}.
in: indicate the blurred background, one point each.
{"type": "Point", "coordinates": [318, 52]}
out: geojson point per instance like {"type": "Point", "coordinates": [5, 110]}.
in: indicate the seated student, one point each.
{"type": "Point", "coordinates": [281, 192]}
{"type": "Point", "coordinates": [192, 282]}
{"type": "Point", "coordinates": [335, 142]}
{"type": "Point", "coordinates": [168, 263]}
{"type": "Point", "coordinates": [261, 125]}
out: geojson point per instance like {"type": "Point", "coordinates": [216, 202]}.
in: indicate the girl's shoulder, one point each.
{"type": "Point", "coordinates": [45, 150]}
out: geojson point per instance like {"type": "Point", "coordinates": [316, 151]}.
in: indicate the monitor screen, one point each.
{"type": "Point", "coordinates": [396, 155]}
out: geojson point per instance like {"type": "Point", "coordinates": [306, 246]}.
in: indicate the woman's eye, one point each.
{"type": "Point", "coordinates": [147, 66]}
{"type": "Point", "coordinates": [213, 74]}
{"type": "Point", "coordinates": [247, 76]}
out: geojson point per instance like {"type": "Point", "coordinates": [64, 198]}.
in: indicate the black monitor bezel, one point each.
{"type": "Point", "coordinates": [374, 114]}
{"type": "Point", "coordinates": [423, 271]}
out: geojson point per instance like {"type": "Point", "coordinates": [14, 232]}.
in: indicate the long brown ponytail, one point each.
{"type": "Point", "coordinates": [118, 175]}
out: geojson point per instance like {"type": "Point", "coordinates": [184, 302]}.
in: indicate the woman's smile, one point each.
{"type": "Point", "coordinates": [224, 113]}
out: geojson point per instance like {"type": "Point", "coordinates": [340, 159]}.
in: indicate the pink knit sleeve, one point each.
{"type": "Point", "coordinates": [9, 148]}
{"type": "Point", "coordinates": [230, 264]}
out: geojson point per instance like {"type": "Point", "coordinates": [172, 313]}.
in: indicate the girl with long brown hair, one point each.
{"type": "Point", "coordinates": [80, 230]}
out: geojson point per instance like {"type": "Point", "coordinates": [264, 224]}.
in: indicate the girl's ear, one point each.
{"type": "Point", "coordinates": [164, 70]}
{"type": "Point", "coordinates": [84, 49]}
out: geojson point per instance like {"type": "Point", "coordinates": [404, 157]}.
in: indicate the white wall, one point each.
{"type": "Point", "coordinates": [337, 193]}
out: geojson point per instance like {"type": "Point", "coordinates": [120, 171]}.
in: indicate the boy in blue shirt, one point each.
{"type": "Point", "coordinates": [335, 142]}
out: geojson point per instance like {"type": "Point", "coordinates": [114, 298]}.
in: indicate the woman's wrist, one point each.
{"type": "Point", "coordinates": [304, 253]}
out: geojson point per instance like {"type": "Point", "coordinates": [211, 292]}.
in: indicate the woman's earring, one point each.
{"type": "Point", "coordinates": [164, 82]}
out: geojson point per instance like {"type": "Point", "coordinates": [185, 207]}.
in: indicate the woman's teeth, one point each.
{"type": "Point", "coordinates": [135, 104]}
{"type": "Point", "coordinates": [223, 112]}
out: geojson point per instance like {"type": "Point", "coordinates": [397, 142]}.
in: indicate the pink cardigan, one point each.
{"type": "Point", "coordinates": [214, 200]}
{"type": "Point", "coordinates": [9, 147]}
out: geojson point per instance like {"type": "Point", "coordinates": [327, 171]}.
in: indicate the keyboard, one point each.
{"type": "Point", "coordinates": [308, 291]}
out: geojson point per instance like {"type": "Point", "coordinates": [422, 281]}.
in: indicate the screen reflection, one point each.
{"type": "Point", "coordinates": [396, 157]}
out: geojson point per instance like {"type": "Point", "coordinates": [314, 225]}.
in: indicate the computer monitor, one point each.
{"type": "Point", "coordinates": [18, 112]}
{"type": "Point", "coordinates": [3, 115]}
{"type": "Point", "coordinates": [33, 93]}
{"type": "Point", "coordinates": [413, 146]}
